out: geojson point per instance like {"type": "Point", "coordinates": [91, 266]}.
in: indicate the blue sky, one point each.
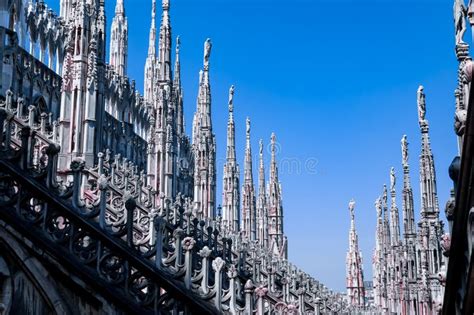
{"type": "Point", "coordinates": [336, 81]}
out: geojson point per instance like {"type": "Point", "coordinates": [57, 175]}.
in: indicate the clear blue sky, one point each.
{"type": "Point", "coordinates": [336, 81]}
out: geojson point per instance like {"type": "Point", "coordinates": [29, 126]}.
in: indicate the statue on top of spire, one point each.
{"type": "Point", "coordinates": [421, 103]}
{"type": "Point", "coordinates": [178, 43]}
{"type": "Point", "coordinates": [166, 4]}
{"type": "Point", "coordinates": [231, 98]}
{"type": "Point", "coordinates": [247, 123]}
{"type": "Point", "coordinates": [207, 52]}
{"type": "Point", "coordinates": [261, 147]}
{"type": "Point", "coordinates": [404, 150]}
{"type": "Point", "coordinates": [351, 208]}
{"type": "Point", "coordinates": [378, 207]}
{"type": "Point", "coordinates": [384, 195]}
{"type": "Point", "coordinates": [460, 12]}
{"type": "Point", "coordinates": [392, 179]}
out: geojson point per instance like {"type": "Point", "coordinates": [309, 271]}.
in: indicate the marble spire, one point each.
{"type": "Point", "coordinates": [150, 63]}
{"type": "Point", "coordinates": [354, 275]}
{"type": "Point", "coordinates": [248, 191]}
{"type": "Point", "coordinates": [230, 191]}
{"type": "Point", "coordinates": [262, 210]}
{"type": "Point", "coordinates": [119, 40]}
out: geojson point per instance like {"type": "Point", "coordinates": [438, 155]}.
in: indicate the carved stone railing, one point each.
{"type": "Point", "coordinates": [150, 254]}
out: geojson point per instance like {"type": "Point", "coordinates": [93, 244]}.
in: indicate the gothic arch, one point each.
{"type": "Point", "coordinates": [17, 259]}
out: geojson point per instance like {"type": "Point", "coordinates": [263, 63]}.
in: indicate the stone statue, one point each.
{"type": "Point", "coordinates": [404, 150]}
{"type": "Point", "coordinates": [261, 147]}
{"type": "Point", "coordinates": [248, 125]}
{"type": "Point", "coordinates": [392, 179]}
{"type": "Point", "coordinates": [378, 207]}
{"type": "Point", "coordinates": [421, 103]}
{"type": "Point", "coordinates": [351, 208]}
{"type": "Point", "coordinates": [207, 51]}
{"type": "Point", "coordinates": [231, 98]}
{"type": "Point", "coordinates": [384, 196]}
{"type": "Point", "coordinates": [459, 11]}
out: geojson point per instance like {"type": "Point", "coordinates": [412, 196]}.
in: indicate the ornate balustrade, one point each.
{"type": "Point", "coordinates": [145, 253]}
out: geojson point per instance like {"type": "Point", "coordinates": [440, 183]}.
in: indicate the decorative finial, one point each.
{"type": "Point", "coordinates": [166, 4]}
{"type": "Point", "coordinates": [178, 43]}
{"type": "Point", "coordinates": [351, 208]}
{"type": "Point", "coordinates": [404, 150]}
{"type": "Point", "coordinates": [231, 98]}
{"type": "Point", "coordinates": [421, 103]}
{"type": "Point", "coordinates": [392, 179]}
{"type": "Point", "coordinates": [207, 52]}
{"type": "Point", "coordinates": [261, 147]}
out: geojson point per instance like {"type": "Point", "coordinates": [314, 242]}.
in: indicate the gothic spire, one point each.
{"type": "Point", "coordinates": [408, 207]}
{"type": "Point", "coordinates": [204, 96]}
{"type": "Point", "coordinates": [429, 197]}
{"type": "Point", "coordinates": [231, 202]}
{"type": "Point", "coordinates": [275, 207]}
{"type": "Point", "coordinates": [178, 90]}
{"type": "Point", "coordinates": [152, 37]}
{"type": "Point", "coordinates": [164, 46]}
{"type": "Point", "coordinates": [119, 40]}
{"type": "Point", "coordinates": [273, 164]}
{"type": "Point", "coordinates": [248, 191]}
{"type": "Point", "coordinates": [355, 276]}
{"type": "Point", "coordinates": [149, 80]}
{"type": "Point", "coordinates": [262, 214]}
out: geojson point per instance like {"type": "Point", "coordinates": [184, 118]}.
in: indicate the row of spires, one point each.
{"type": "Point", "coordinates": [405, 266]}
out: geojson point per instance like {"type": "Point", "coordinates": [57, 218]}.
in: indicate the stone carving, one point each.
{"type": "Point", "coordinates": [404, 143]}
{"type": "Point", "coordinates": [207, 52]}
{"type": "Point", "coordinates": [392, 179]}
{"type": "Point", "coordinates": [421, 103]}
{"type": "Point", "coordinates": [351, 208]}
{"type": "Point", "coordinates": [460, 12]}
{"type": "Point", "coordinates": [231, 99]}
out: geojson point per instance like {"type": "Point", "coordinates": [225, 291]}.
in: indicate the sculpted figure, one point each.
{"type": "Point", "coordinates": [392, 178]}
{"type": "Point", "coordinates": [404, 150]}
{"type": "Point", "coordinates": [247, 122]}
{"type": "Point", "coordinates": [231, 98]}
{"type": "Point", "coordinates": [421, 103]}
{"type": "Point", "coordinates": [459, 11]}
{"type": "Point", "coordinates": [351, 208]}
{"type": "Point", "coordinates": [378, 207]}
{"type": "Point", "coordinates": [207, 51]}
